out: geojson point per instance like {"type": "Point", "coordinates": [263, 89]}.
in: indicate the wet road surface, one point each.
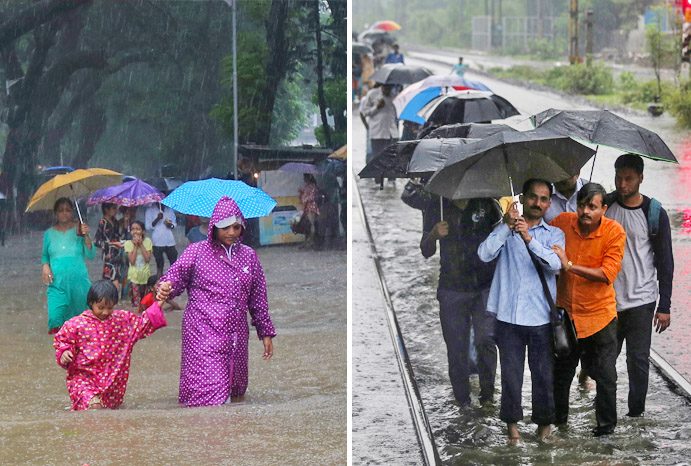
{"type": "Point", "coordinates": [383, 431]}
{"type": "Point", "coordinates": [294, 411]}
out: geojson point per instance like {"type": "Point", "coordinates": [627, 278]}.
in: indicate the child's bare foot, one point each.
{"type": "Point", "coordinates": [513, 434]}
{"type": "Point", "coordinates": [96, 403]}
{"type": "Point", "coordinates": [237, 399]}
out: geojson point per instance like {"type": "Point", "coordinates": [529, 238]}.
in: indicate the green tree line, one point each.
{"type": "Point", "coordinates": [448, 23]}
{"type": "Point", "coordinates": [134, 85]}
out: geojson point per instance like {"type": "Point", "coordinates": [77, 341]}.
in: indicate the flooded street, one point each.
{"type": "Point", "coordinates": [475, 435]}
{"type": "Point", "coordinates": [294, 411]}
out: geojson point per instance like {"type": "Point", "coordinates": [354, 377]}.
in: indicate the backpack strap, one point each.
{"type": "Point", "coordinates": [651, 210]}
{"type": "Point", "coordinates": [654, 217]}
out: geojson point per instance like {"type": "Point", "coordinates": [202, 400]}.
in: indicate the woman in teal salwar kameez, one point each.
{"type": "Point", "coordinates": [64, 268]}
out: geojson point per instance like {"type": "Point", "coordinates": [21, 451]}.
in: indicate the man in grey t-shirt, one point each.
{"type": "Point", "coordinates": [646, 274]}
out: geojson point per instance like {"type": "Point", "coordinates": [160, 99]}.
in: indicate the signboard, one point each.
{"type": "Point", "coordinates": [275, 228]}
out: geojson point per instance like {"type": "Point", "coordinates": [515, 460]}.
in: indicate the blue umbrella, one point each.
{"type": "Point", "coordinates": [418, 102]}
{"type": "Point", "coordinates": [200, 198]}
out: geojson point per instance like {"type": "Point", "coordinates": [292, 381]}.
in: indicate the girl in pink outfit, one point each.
{"type": "Point", "coordinates": [95, 347]}
{"type": "Point", "coordinates": [308, 197]}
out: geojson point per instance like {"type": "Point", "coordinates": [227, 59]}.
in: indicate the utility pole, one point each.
{"type": "Point", "coordinates": [588, 37]}
{"type": "Point", "coordinates": [573, 32]}
{"type": "Point", "coordinates": [540, 30]}
{"type": "Point", "coordinates": [232, 5]}
{"type": "Point", "coordinates": [235, 93]}
{"type": "Point", "coordinates": [500, 25]}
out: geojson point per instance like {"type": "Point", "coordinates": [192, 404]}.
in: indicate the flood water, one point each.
{"type": "Point", "coordinates": [475, 435]}
{"type": "Point", "coordinates": [294, 411]}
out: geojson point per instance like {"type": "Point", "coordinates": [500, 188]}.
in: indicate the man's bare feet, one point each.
{"type": "Point", "coordinates": [513, 434]}
{"type": "Point", "coordinates": [584, 381]}
{"type": "Point", "coordinates": [544, 431]}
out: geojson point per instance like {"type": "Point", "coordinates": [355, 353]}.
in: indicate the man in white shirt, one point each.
{"type": "Point", "coordinates": [564, 196]}
{"type": "Point", "coordinates": [160, 221]}
{"type": "Point", "coordinates": [381, 120]}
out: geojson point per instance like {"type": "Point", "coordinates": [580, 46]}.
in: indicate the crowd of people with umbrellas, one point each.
{"type": "Point", "coordinates": [526, 245]}
{"type": "Point", "coordinates": [222, 276]}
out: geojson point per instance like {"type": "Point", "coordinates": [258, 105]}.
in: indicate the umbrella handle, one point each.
{"type": "Point", "coordinates": [76, 203]}
{"type": "Point", "coordinates": [79, 213]}
{"type": "Point", "coordinates": [592, 169]}
{"type": "Point", "coordinates": [441, 207]}
{"type": "Point", "coordinates": [514, 198]}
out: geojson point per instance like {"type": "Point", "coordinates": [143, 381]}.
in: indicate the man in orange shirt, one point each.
{"type": "Point", "coordinates": [590, 263]}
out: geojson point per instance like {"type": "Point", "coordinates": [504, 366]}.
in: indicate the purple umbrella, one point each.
{"type": "Point", "coordinates": [128, 194]}
{"type": "Point", "coordinates": [298, 167]}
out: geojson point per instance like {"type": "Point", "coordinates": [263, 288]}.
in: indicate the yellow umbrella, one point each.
{"type": "Point", "coordinates": [340, 153]}
{"type": "Point", "coordinates": [72, 185]}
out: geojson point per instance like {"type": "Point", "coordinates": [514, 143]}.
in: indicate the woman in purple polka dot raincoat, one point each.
{"type": "Point", "coordinates": [224, 280]}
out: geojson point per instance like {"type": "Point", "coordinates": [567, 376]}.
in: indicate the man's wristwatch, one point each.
{"type": "Point", "coordinates": [569, 266]}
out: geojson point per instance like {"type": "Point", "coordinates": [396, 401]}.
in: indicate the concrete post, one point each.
{"type": "Point", "coordinates": [573, 32]}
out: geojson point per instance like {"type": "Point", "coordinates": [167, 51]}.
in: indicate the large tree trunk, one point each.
{"type": "Point", "coordinates": [38, 97]}
{"type": "Point", "coordinates": [17, 158]}
{"type": "Point", "coordinates": [339, 61]}
{"type": "Point", "coordinates": [320, 73]}
{"type": "Point", "coordinates": [93, 125]}
{"type": "Point", "coordinates": [276, 67]}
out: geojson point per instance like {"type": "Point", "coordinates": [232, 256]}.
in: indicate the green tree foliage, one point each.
{"type": "Point", "coordinates": [292, 110]}
{"type": "Point", "coordinates": [336, 103]}
{"type": "Point", "coordinates": [679, 103]}
{"type": "Point", "coordinates": [296, 88]}
{"type": "Point", "coordinates": [582, 79]}
{"type": "Point", "coordinates": [136, 85]}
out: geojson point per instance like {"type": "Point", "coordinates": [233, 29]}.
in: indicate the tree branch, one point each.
{"type": "Point", "coordinates": [33, 16]}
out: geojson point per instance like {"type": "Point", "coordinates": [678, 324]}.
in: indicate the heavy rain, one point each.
{"type": "Point", "coordinates": [121, 107]}
{"type": "Point", "coordinates": [519, 51]}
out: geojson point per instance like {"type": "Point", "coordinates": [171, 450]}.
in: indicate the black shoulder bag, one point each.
{"type": "Point", "coordinates": [563, 331]}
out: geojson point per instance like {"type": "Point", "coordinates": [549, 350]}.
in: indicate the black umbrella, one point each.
{"type": "Point", "coordinates": [492, 166]}
{"type": "Point", "coordinates": [392, 162]}
{"type": "Point", "coordinates": [396, 73]}
{"type": "Point", "coordinates": [360, 48]}
{"type": "Point", "coordinates": [467, 107]}
{"type": "Point", "coordinates": [373, 35]}
{"type": "Point", "coordinates": [468, 130]}
{"type": "Point", "coordinates": [412, 159]}
{"type": "Point", "coordinates": [431, 154]}
{"type": "Point", "coordinates": [604, 128]}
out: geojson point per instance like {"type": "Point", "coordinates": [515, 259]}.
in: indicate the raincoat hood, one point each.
{"type": "Point", "coordinates": [225, 207]}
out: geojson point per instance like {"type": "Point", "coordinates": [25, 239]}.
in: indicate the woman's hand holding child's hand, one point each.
{"type": "Point", "coordinates": [66, 358]}
{"type": "Point", "coordinates": [163, 292]}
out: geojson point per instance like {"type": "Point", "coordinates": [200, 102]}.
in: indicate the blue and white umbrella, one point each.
{"type": "Point", "coordinates": [200, 198]}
